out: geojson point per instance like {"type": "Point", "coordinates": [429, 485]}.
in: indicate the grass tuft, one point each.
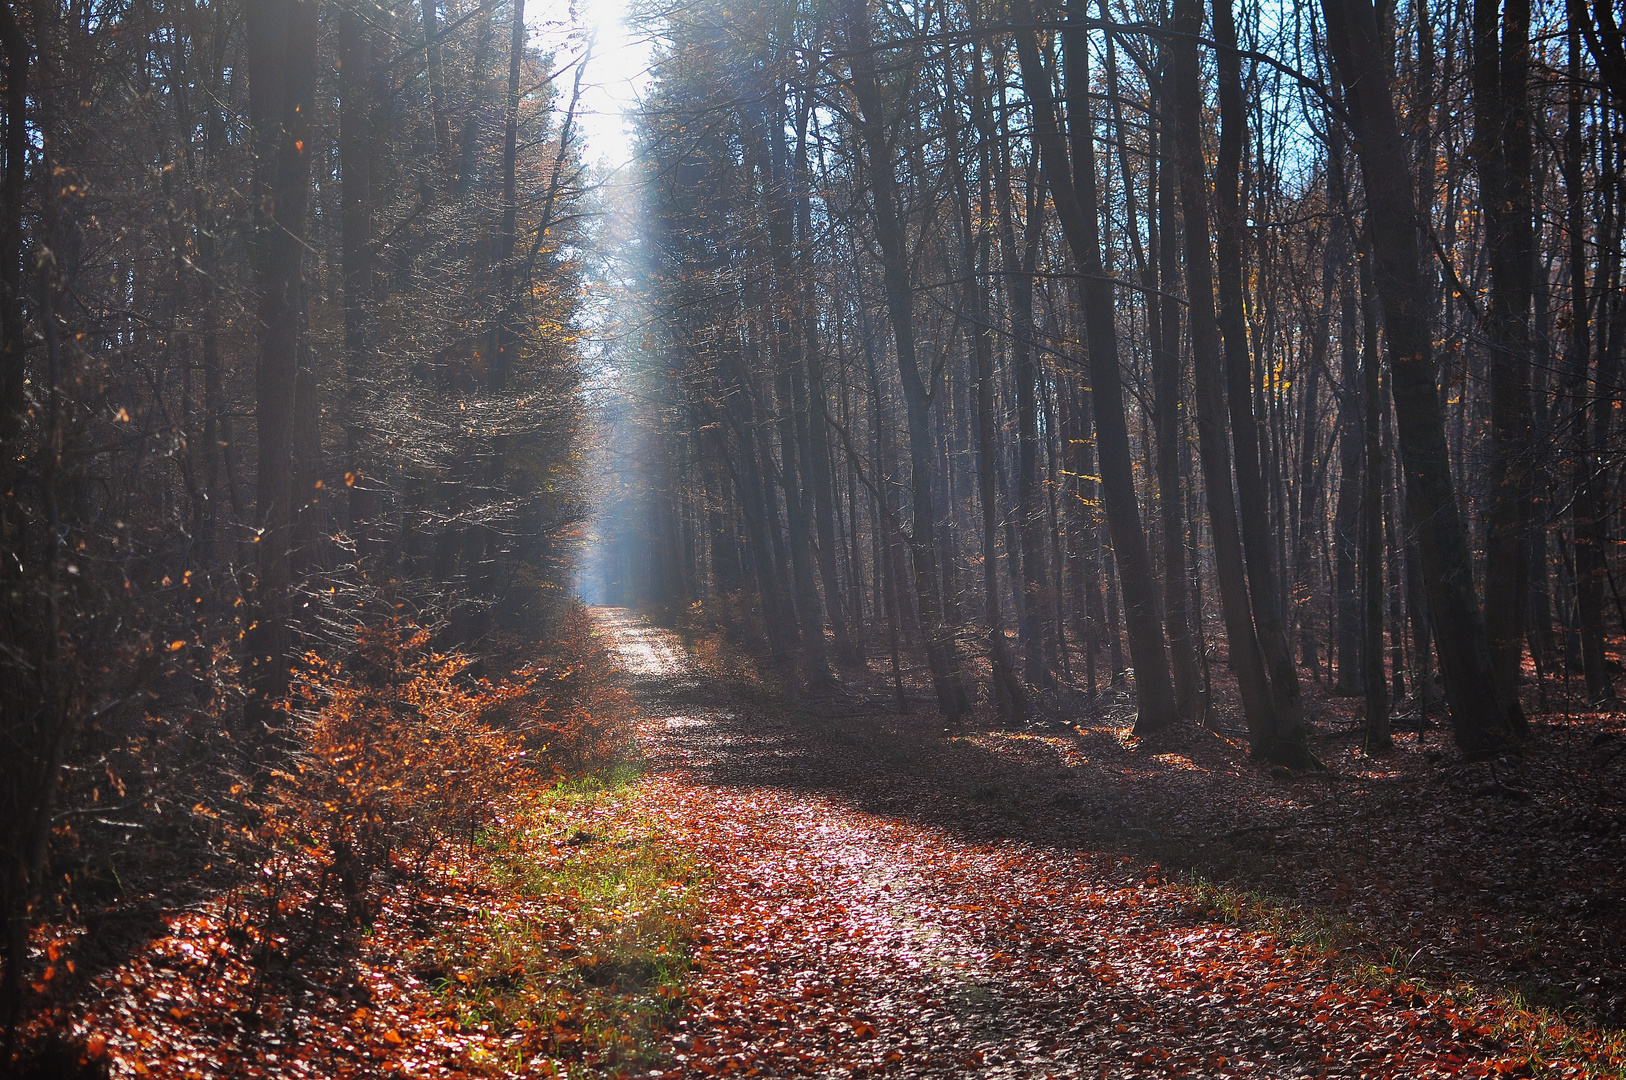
{"type": "Point", "coordinates": [582, 956]}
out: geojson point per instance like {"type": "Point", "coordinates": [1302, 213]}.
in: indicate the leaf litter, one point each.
{"type": "Point", "coordinates": [853, 893]}
{"type": "Point", "coordinates": [887, 898]}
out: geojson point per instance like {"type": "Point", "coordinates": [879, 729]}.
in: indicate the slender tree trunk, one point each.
{"type": "Point", "coordinates": [842, 620]}
{"type": "Point", "coordinates": [1395, 593]}
{"type": "Point", "coordinates": [1018, 263]}
{"type": "Point", "coordinates": [975, 256]}
{"type": "Point", "coordinates": [1083, 560]}
{"type": "Point", "coordinates": [1166, 376]}
{"type": "Point", "coordinates": [789, 358]}
{"type": "Point", "coordinates": [13, 180]}
{"type": "Point", "coordinates": [505, 339]}
{"type": "Point", "coordinates": [1588, 564]}
{"type": "Point", "coordinates": [27, 717]}
{"type": "Point", "coordinates": [942, 653]}
{"type": "Point", "coordinates": [1311, 470]}
{"type": "Point", "coordinates": [1502, 152]}
{"type": "Point", "coordinates": [1610, 335]}
{"type": "Point", "coordinates": [1073, 191]}
{"type": "Point", "coordinates": [1423, 688]}
{"type": "Point", "coordinates": [1482, 726]}
{"type": "Point", "coordinates": [1008, 690]}
{"type": "Point", "coordinates": [1539, 623]}
{"type": "Point", "coordinates": [1247, 659]}
{"type": "Point", "coordinates": [1270, 623]}
{"type": "Point", "coordinates": [1377, 738]}
{"type": "Point", "coordinates": [282, 86]}
{"type": "Point", "coordinates": [435, 65]}
{"type": "Point", "coordinates": [356, 149]}
{"type": "Point", "coordinates": [1346, 512]}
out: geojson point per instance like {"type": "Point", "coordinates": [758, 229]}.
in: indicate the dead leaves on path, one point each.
{"type": "Point", "coordinates": [847, 945]}
{"type": "Point", "coordinates": [824, 940]}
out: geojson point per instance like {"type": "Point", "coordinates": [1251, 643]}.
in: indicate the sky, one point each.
{"type": "Point", "coordinates": [616, 76]}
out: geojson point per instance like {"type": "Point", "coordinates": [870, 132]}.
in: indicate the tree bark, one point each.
{"type": "Point", "coordinates": [282, 90]}
{"type": "Point", "coordinates": [1073, 192]}
{"type": "Point", "coordinates": [1481, 725]}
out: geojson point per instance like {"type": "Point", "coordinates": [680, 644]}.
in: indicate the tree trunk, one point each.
{"type": "Point", "coordinates": [975, 257]}
{"type": "Point", "coordinates": [1588, 564]}
{"type": "Point", "coordinates": [1311, 471]}
{"type": "Point", "coordinates": [1264, 585]}
{"type": "Point", "coordinates": [1247, 659]}
{"type": "Point", "coordinates": [1377, 739]}
{"type": "Point", "coordinates": [1166, 376]}
{"type": "Point", "coordinates": [1347, 509]}
{"type": "Point", "coordinates": [1481, 725]}
{"type": "Point", "coordinates": [942, 652]}
{"type": "Point", "coordinates": [789, 357]}
{"type": "Point", "coordinates": [13, 178]}
{"type": "Point", "coordinates": [1018, 263]}
{"type": "Point", "coordinates": [434, 65]}
{"type": "Point", "coordinates": [282, 90]}
{"type": "Point", "coordinates": [1502, 152]}
{"type": "Point", "coordinates": [1073, 191]}
{"type": "Point", "coordinates": [842, 621]}
{"type": "Point", "coordinates": [356, 150]}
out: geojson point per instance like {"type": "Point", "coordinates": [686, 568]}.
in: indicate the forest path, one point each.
{"type": "Point", "coordinates": [840, 942]}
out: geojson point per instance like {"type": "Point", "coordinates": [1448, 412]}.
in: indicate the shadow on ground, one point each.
{"type": "Point", "coordinates": [1505, 875]}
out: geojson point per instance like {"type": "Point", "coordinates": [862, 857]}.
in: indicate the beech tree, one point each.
{"type": "Point", "coordinates": [1010, 271]}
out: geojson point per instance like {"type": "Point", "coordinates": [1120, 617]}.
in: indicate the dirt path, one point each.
{"type": "Point", "coordinates": [897, 940]}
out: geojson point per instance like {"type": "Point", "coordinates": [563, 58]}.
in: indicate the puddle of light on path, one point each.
{"type": "Point", "coordinates": [644, 651]}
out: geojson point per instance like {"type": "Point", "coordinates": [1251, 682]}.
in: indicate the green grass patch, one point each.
{"type": "Point", "coordinates": [580, 957]}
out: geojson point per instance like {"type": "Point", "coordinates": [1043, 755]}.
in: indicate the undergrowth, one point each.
{"type": "Point", "coordinates": [433, 872]}
{"type": "Point", "coordinates": [718, 635]}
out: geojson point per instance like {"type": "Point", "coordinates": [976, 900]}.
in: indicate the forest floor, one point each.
{"type": "Point", "coordinates": [887, 897]}
{"type": "Point", "coordinates": [835, 889]}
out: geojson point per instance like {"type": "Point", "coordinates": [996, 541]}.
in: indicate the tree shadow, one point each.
{"type": "Point", "coordinates": [1413, 855]}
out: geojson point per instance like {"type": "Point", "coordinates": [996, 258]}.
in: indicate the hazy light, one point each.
{"type": "Point", "coordinates": [617, 75]}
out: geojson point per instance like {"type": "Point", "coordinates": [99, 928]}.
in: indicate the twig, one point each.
{"type": "Point", "coordinates": [1252, 829]}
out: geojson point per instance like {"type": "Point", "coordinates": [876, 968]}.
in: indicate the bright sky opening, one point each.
{"type": "Point", "coordinates": [617, 74]}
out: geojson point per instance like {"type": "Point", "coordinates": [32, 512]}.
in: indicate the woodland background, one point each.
{"type": "Point", "coordinates": [990, 358]}
{"type": "Point", "coordinates": [291, 402]}
{"type": "Point", "coordinates": [1047, 343]}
